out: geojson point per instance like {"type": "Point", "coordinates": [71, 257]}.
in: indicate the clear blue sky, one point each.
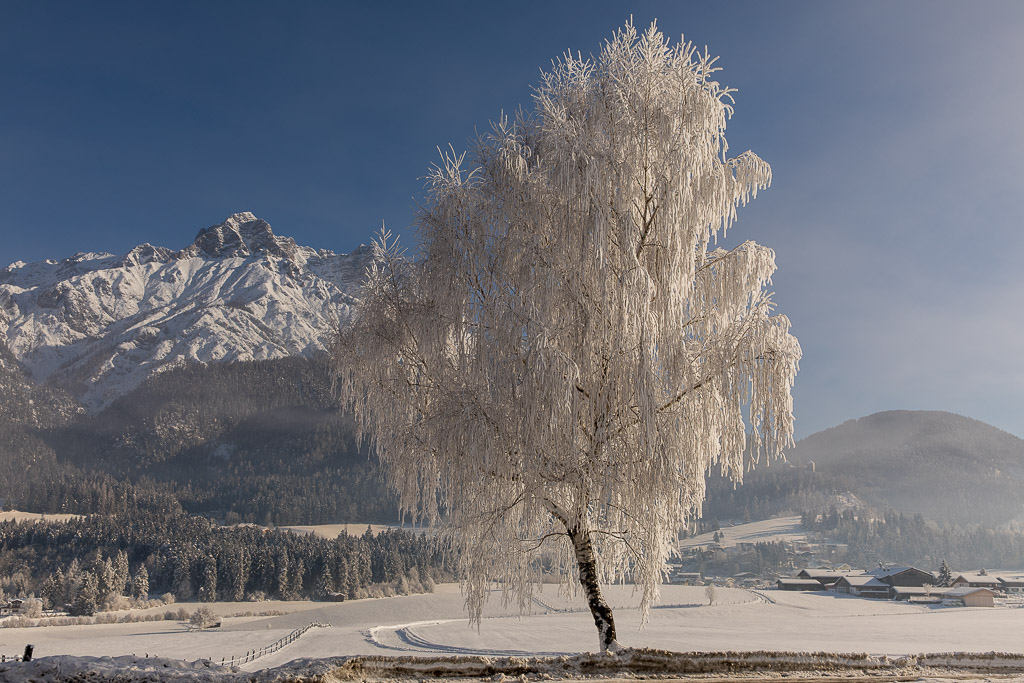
{"type": "Point", "coordinates": [893, 129]}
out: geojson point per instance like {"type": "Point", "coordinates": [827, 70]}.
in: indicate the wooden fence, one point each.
{"type": "Point", "coordinates": [253, 655]}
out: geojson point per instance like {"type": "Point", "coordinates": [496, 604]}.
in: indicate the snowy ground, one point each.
{"type": "Point", "coordinates": [764, 531]}
{"type": "Point", "coordinates": [432, 625]}
{"type": "Point", "coordinates": [19, 516]}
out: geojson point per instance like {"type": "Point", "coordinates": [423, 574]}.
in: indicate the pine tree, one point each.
{"type": "Point", "coordinates": [86, 602]}
{"type": "Point", "coordinates": [945, 576]}
{"type": "Point", "coordinates": [208, 587]}
{"type": "Point", "coordinates": [53, 589]}
{"type": "Point", "coordinates": [324, 584]}
{"type": "Point", "coordinates": [121, 574]}
{"type": "Point", "coordinates": [107, 580]}
{"type": "Point", "coordinates": [181, 584]}
{"type": "Point", "coordinates": [140, 583]}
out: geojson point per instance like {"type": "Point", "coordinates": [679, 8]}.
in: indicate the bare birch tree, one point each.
{"type": "Point", "coordinates": [567, 354]}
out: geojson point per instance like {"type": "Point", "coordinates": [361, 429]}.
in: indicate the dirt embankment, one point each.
{"type": "Point", "coordinates": [649, 663]}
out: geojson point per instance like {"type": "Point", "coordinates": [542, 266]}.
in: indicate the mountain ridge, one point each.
{"type": "Point", "coordinates": [99, 325]}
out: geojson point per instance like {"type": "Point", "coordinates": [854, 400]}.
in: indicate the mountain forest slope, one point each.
{"type": "Point", "coordinates": [259, 441]}
{"type": "Point", "coordinates": [949, 468]}
{"type": "Point", "coordinates": [945, 466]}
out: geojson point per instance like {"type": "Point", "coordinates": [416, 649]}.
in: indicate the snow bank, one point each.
{"type": "Point", "coordinates": [628, 663]}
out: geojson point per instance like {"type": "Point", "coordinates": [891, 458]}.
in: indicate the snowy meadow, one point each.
{"type": "Point", "coordinates": [434, 625]}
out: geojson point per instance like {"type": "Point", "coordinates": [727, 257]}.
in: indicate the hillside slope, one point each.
{"type": "Point", "coordinates": [945, 466]}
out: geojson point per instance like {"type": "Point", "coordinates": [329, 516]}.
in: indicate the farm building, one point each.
{"type": "Point", "coordinates": [918, 593]}
{"type": "Point", "coordinates": [686, 578]}
{"type": "Point", "coordinates": [863, 585]}
{"type": "Point", "coordinates": [903, 576]}
{"type": "Point", "coordinates": [1011, 584]}
{"type": "Point", "coordinates": [975, 580]}
{"type": "Point", "coordinates": [969, 597]}
{"type": "Point", "coordinates": [826, 577]}
{"type": "Point", "coordinates": [14, 606]}
{"type": "Point", "coordinates": [792, 584]}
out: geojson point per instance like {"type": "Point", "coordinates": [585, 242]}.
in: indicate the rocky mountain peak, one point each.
{"type": "Point", "coordinates": [241, 235]}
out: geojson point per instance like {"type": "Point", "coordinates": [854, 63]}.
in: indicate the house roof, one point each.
{"type": "Point", "coordinates": [862, 581]}
{"type": "Point", "coordinates": [882, 572]}
{"type": "Point", "coordinates": [1014, 581]}
{"type": "Point", "coordinates": [826, 574]}
{"type": "Point", "coordinates": [800, 582]}
{"type": "Point", "coordinates": [975, 577]}
{"type": "Point", "coordinates": [920, 590]}
{"type": "Point", "coordinates": [966, 590]}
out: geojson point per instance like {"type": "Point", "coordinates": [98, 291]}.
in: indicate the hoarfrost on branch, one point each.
{"type": "Point", "coordinates": [568, 353]}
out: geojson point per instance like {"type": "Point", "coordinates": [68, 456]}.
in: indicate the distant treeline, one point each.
{"type": "Point", "coordinates": [911, 540]}
{"type": "Point", "coordinates": [192, 558]}
{"type": "Point", "coordinates": [769, 491]}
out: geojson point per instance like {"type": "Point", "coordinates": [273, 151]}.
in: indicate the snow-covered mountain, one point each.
{"type": "Point", "coordinates": [100, 325]}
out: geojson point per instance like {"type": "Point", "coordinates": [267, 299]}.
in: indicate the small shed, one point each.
{"type": "Point", "coordinates": [970, 597]}
{"type": "Point", "coordinates": [918, 593]}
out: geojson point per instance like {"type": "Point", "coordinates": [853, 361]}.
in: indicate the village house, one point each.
{"type": "Point", "coordinates": [745, 579]}
{"type": "Point", "coordinates": [975, 580]}
{"type": "Point", "coordinates": [10, 607]}
{"type": "Point", "coordinates": [862, 585]}
{"type": "Point", "coordinates": [903, 576]}
{"type": "Point", "coordinates": [825, 577]}
{"type": "Point", "coordinates": [686, 578]}
{"type": "Point", "coordinates": [1011, 584]}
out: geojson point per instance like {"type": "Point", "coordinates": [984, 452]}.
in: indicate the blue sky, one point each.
{"type": "Point", "coordinates": [893, 129]}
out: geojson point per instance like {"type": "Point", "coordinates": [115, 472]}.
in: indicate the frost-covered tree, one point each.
{"type": "Point", "coordinates": [121, 574]}
{"type": "Point", "coordinates": [140, 583]}
{"type": "Point", "coordinates": [86, 602]}
{"type": "Point", "coordinates": [945, 576]}
{"type": "Point", "coordinates": [568, 354]}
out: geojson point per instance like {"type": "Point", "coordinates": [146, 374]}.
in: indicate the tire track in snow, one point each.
{"type": "Point", "coordinates": [403, 637]}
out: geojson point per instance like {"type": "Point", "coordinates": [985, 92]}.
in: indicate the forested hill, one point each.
{"type": "Point", "coordinates": [932, 436]}
{"type": "Point", "coordinates": [949, 468]}
{"type": "Point", "coordinates": [942, 465]}
{"type": "Point", "coordinates": [259, 441]}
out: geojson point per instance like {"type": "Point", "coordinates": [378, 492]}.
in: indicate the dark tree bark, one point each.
{"type": "Point", "coordinates": [599, 608]}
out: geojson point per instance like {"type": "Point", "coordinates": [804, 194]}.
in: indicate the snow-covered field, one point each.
{"type": "Point", "coordinates": [19, 516]}
{"type": "Point", "coordinates": [432, 625]}
{"type": "Point", "coordinates": [765, 531]}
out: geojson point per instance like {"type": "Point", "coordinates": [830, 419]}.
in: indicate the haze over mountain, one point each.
{"type": "Point", "coordinates": [99, 325]}
{"type": "Point", "coordinates": [945, 466]}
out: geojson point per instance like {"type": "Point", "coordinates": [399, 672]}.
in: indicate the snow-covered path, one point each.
{"type": "Point", "coordinates": [435, 624]}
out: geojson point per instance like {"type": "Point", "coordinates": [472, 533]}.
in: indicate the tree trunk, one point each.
{"type": "Point", "coordinates": [588, 579]}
